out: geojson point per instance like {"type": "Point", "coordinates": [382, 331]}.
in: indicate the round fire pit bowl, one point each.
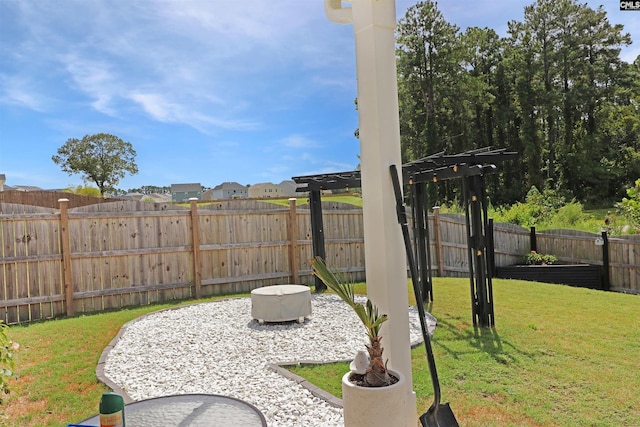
{"type": "Point", "coordinates": [281, 303]}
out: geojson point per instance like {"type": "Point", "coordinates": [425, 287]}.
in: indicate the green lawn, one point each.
{"type": "Point", "coordinates": [558, 356]}
{"type": "Point", "coordinates": [56, 364]}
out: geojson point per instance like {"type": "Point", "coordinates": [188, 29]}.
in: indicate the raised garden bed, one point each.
{"type": "Point", "coordinates": [581, 275]}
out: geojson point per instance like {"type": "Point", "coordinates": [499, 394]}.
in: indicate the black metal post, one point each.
{"type": "Point", "coordinates": [481, 279]}
{"type": "Point", "coordinates": [427, 240]}
{"type": "Point", "coordinates": [478, 247]}
{"type": "Point", "coordinates": [488, 242]}
{"type": "Point", "coordinates": [606, 284]}
{"type": "Point", "coordinates": [317, 232]}
{"type": "Point", "coordinates": [532, 239]}
{"type": "Point", "coordinates": [415, 220]}
{"type": "Point", "coordinates": [466, 201]}
{"type": "Point", "coordinates": [421, 236]}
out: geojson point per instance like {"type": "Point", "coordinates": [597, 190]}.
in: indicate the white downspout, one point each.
{"type": "Point", "coordinates": [336, 13]}
{"type": "Point", "coordinates": [374, 24]}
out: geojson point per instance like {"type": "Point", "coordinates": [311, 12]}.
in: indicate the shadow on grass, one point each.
{"type": "Point", "coordinates": [487, 340]}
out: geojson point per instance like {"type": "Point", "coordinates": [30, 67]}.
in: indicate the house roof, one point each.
{"type": "Point", "coordinates": [264, 184]}
{"type": "Point", "coordinates": [24, 188]}
{"type": "Point", "coordinates": [185, 188]}
{"type": "Point", "coordinates": [133, 196]}
{"type": "Point", "coordinates": [160, 198]}
{"type": "Point", "coordinates": [229, 185]}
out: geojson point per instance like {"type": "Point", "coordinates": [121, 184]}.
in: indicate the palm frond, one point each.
{"type": "Point", "coordinates": [368, 314]}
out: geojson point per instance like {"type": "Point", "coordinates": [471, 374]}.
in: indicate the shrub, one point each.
{"type": "Point", "coordinates": [521, 213]}
{"type": "Point", "coordinates": [538, 208]}
{"type": "Point", "coordinates": [534, 258]}
{"type": "Point", "coordinates": [568, 215]}
{"type": "Point", "coordinates": [629, 207]}
{"type": "Point", "coordinates": [7, 362]}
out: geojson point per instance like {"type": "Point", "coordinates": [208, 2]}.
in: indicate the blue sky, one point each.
{"type": "Point", "coordinates": [206, 90]}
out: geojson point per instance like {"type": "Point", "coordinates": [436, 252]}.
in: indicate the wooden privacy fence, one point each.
{"type": "Point", "coordinates": [79, 260]}
{"type": "Point", "coordinates": [112, 255]}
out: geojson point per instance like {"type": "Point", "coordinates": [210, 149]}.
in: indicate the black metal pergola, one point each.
{"type": "Point", "coordinates": [471, 166]}
{"type": "Point", "coordinates": [315, 184]}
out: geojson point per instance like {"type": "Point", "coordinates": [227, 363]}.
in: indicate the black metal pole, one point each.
{"type": "Point", "coordinates": [606, 285]}
{"type": "Point", "coordinates": [474, 297]}
{"type": "Point", "coordinates": [487, 241]}
{"type": "Point", "coordinates": [479, 252]}
{"type": "Point", "coordinates": [428, 277]}
{"type": "Point", "coordinates": [422, 241]}
{"type": "Point", "coordinates": [317, 232]}
{"type": "Point", "coordinates": [532, 239]}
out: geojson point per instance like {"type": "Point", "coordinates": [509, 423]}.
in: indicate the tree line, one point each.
{"type": "Point", "coordinates": [554, 90]}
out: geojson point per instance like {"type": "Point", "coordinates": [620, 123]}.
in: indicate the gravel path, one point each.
{"type": "Point", "coordinates": [218, 348]}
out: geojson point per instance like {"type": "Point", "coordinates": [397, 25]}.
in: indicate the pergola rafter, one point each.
{"type": "Point", "coordinates": [329, 181]}
{"type": "Point", "coordinates": [471, 166]}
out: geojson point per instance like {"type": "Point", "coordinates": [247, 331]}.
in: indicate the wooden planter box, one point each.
{"type": "Point", "coordinates": [581, 275]}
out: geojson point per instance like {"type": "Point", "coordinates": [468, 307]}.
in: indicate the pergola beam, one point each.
{"type": "Point", "coordinates": [451, 172]}
{"type": "Point", "coordinates": [333, 181]}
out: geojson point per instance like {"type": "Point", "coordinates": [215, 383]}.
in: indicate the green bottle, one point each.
{"type": "Point", "coordinates": [111, 410]}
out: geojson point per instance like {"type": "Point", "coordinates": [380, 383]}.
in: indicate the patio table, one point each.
{"type": "Point", "coordinates": [189, 410]}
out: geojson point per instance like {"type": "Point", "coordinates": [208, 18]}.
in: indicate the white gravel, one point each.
{"type": "Point", "coordinates": [218, 348]}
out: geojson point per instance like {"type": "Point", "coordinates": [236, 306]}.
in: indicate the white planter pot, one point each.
{"type": "Point", "coordinates": [374, 406]}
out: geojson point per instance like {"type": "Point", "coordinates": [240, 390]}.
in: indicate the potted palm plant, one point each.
{"type": "Point", "coordinates": [372, 395]}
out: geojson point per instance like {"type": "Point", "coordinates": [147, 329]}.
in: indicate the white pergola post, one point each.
{"type": "Point", "coordinates": [374, 23]}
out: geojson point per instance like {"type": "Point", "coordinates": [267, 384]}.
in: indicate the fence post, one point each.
{"type": "Point", "coordinates": [65, 243]}
{"type": "Point", "coordinates": [195, 233]}
{"type": "Point", "coordinates": [292, 231]}
{"type": "Point", "coordinates": [606, 285]}
{"type": "Point", "coordinates": [438, 233]}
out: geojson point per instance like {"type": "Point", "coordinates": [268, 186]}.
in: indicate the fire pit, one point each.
{"type": "Point", "coordinates": [281, 303]}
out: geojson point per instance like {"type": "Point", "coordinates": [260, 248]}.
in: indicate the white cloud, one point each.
{"type": "Point", "coordinates": [95, 79]}
{"type": "Point", "coordinates": [15, 90]}
{"type": "Point", "coordinates": [298, 141]}
{"type": "Point", "coordinates": [205, 64]}
{"type": "Point", "coordinates": [156, 106]}
{"type": "Point", "coordinates": [160, 108]}
{"type": "Point", "coordinates": [245, 21]}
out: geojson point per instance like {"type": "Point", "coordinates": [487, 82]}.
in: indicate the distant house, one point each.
{"type": "Point", "coordinates": [288, 188]}
{"type": "Point", "coordinates": [265, 190]}
{"type": "Point", "coordinates": [132, 196]}
{"type": "Point", "coordinates": [148, 198]}
{"type": "Point", "coordinates": [157, 198]}
{"type": "Point", "coordinates": [3, 179]}
{"type": "Point", "coordinates": [207, 195]}
{"type": "Point", "coordinates": [229, 190]}
{"type": "Point", "coordinates": [184, 192]}
{"type": "Point", "coordinates": [25, 188]}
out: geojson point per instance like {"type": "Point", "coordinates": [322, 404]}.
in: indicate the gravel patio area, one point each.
{"type": "Point", "coordinates": [218, 348]}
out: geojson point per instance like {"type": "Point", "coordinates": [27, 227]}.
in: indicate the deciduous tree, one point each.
{"type": "Point", "coordinates": [101, 158]}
